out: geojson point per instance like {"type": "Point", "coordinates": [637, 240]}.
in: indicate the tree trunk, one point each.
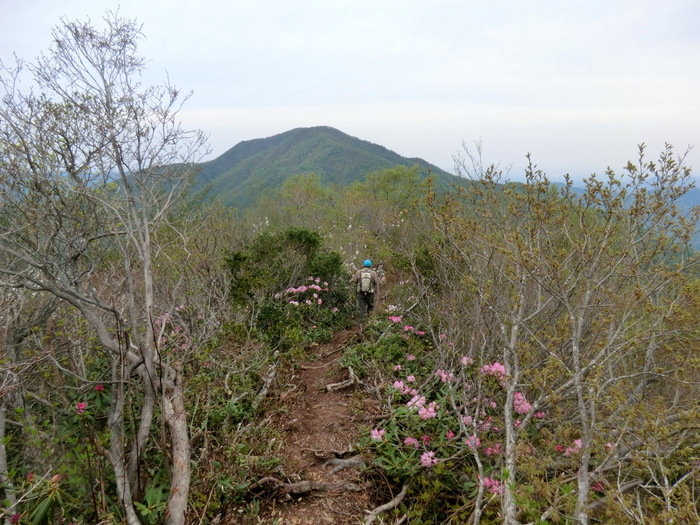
{"type": "Point", "coordinates": [176, 419]}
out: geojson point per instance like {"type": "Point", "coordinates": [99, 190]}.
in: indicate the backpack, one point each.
{"type": "Point", "coordinates": [364, 284]}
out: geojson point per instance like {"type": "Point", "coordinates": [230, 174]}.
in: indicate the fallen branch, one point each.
{"type": "Point", "coordinates": [387, 506]}
{"type": "Point", "coordinates": [345, 384]}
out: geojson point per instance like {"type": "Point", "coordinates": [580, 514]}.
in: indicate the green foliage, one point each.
{"type": "Point", "coordinates": [251, 168]}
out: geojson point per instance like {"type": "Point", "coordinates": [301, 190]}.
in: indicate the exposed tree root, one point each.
{"type": "Point", "coordinates": [353, 380]}
{"type": "Point", "coordinates": [387, 506]}
{"type": "Point", "coordinates": [339, 464]}
{"type": "Point", "coordinates": [303, 487]}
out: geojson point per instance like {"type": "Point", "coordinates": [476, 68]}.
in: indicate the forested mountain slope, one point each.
{"type": "Point", "coordinates": [253, 167]}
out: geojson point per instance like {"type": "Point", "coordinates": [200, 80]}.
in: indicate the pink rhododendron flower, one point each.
{"type": "Point", "coordinates": [496, 369]}
{"type": "Point", "coordinates": [598, 486]}
{"type": "Point", "coordinates": [444, 376]}
{"type": "Point", "coordinates": [449, 434]}
{"type": "Point", "coordinates": [80, 407]}
{"type": "Point", "coordinates": [442, 336]}
{"type": "Point", "coordinates": [493, 450]}
{"type": "Point", "coordinates": [492, 485]}
{"type": "Point", "coordinates": [416, 402]}
{"type": "Point", "coordinates": [377, 434]}
{"type": "Point", "coordinates": [100, 388]}
{"type": "Point", "coordinates": [399, 385]}
{"type": "Point", "coordinates": [520, 403]}
{"type": "Point", "coordinates": [473, 441]}
{"type": "Point", "coordinates": [484, 424]}
{"type": "Point", "coordinates": [395, 318]}
{"type": "Point", "coordinates": [419, 332]}
{"type": "Point", "coordinates": [428, 412]}
{"type": "Point", "coordinates": [15, 518]}
{"type": "Point", "coordinates": [576, 447]}
{"type": "Point", "coordinates": [411, 442]}
{"type": "Point", "coordinates": [410, 357]}
{"type": "Point", "coordinates": [428, 459]}
{"type": "Point", "coordinates": [397, 368]}
{"type": "Point", "coordinates": [466, 361]}
{"type": "Point", "coordinates": [411, 379]}
{"type": "Point", "coordinates": [408, 328]}
{"type": "Point", "coordinates": [426, 440]}
{"type": "Point", "coordinates": [540, 415]}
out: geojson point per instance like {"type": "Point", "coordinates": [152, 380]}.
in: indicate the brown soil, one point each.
{"type": "Point", "coordinates": [318, 427]}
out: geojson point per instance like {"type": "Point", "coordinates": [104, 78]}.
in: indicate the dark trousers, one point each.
{"type": "Point", "coordinates": [365, 303]}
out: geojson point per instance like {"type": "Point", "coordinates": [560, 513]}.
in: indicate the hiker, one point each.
{"type": "Point", "coordinates": [367, 286]}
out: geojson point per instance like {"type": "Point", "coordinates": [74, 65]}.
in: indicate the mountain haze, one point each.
{"type": "Point", "coordinates": [252, 167]}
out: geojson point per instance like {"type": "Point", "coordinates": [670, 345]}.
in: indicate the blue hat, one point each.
{"type": "Point", "coordinates": [367, 262]}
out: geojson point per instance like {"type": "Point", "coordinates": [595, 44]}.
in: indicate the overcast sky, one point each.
{"type": "Point", "coordinates": [578, 84]}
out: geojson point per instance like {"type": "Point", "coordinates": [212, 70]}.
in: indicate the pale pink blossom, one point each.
{"type": "Point", "coordinates": [492, 485]}
{"type": "Point", "coordinates": [428, 459]}
{"type": "Point", "coordinates": [466, 361]}
{"type": "Point", "coordinates": [520, 403]}
{"type": "Point", "coordinates": [411, 379]}
{"type": "Point", "coordinates": [473, 441]}
{"type": "Point", "coordinates": [444, 375]}
{"type": "Point", "coordinates": [576, 447]}
{"type": "Point", "coordinates": [416, 401]}
{"type": "Point", "coordinates": [496, 369]}
{"type": "Point", "coordinates": [408, 328]}
{"type": "Point", "coordinates": [411, 442]}
{"type": "Point", "coordinates": [449, 434]}
{"type": "Point", "coordinates": [493, 450]}
{"type": "Point", "coordinates": [410, 357]}
{"type": "Point", "coordinates": [395, 318]}
{"type": "Point", "coordinates": [377, 434]}
{"type": "Point", "coordinates": [428, 412]}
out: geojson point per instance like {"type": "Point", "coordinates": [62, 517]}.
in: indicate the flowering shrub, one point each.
{"type": "Point", "coordinates": [445, 435]}
{"type": "Point", "coordinates": [305, 313]}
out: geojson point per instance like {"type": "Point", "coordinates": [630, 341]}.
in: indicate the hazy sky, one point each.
{"type": "Point", "coordinates": [578, 84]}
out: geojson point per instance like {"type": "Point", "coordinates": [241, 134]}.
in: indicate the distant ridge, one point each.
{"type": "Point", "coordinates": [252, 167]}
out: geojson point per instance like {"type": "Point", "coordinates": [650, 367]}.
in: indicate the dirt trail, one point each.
{"type": "Point", "coordinates": [320, 430]}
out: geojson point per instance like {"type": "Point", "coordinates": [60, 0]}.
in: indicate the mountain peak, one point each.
{"type": "Point", "coordinates": [245, 171]}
